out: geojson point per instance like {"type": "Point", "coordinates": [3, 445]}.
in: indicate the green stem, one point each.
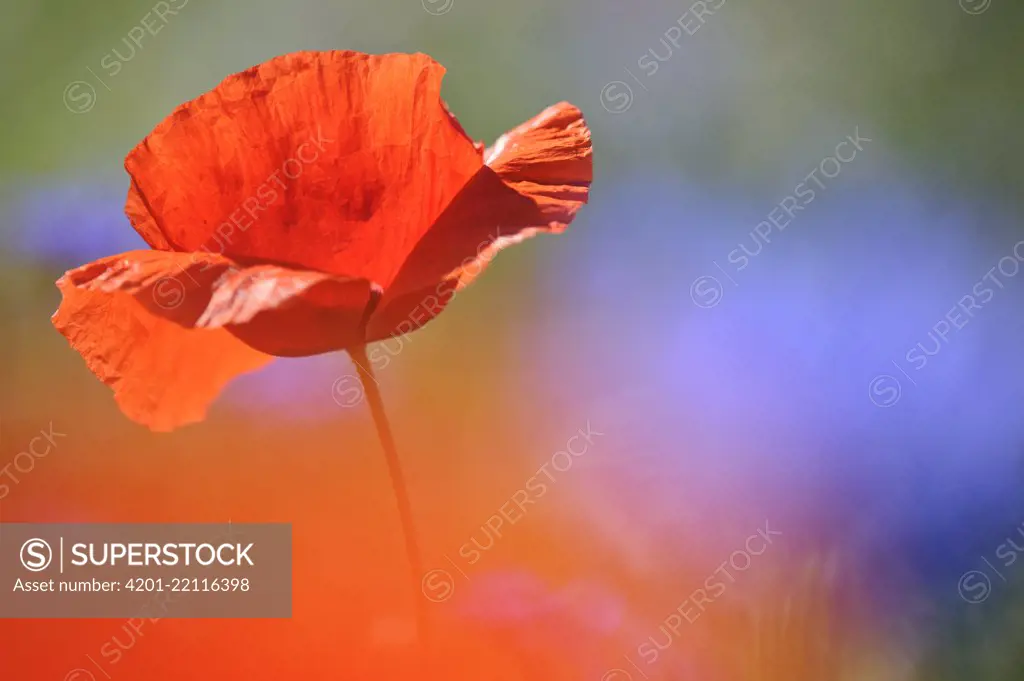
{"type": "Point", "coordinates": [372, 391]}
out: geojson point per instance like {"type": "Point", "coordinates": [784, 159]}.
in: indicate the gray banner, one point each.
{"type": "Point", "coordinates": [145, 570]}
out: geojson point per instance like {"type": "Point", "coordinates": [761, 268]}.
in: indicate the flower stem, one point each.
{"type": "Point", "coordinates": [372, 391]}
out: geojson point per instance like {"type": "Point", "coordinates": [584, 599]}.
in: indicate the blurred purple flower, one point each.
{"type": "Point", "coordinates": [70, 222]}
{"type": "Point", "coordinates": [758, 406]}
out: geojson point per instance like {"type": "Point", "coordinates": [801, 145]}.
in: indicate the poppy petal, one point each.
{"type": "Point", "coordinates": [290, 313]}
{"type": "Point", "coordinates": [138, 214]}
{"type": "Point", "coordinates": [537, 177]}
{"type": "Point", "coordinates": [279, 311]}
{"type": "Point", "coordinates": [329, 161]}
{"type": "Point", "coordinates": [163, 375]}
{"type": "Point", "coordinates": [168, 330]}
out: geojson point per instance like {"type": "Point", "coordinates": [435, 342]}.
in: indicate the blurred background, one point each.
{"type": "Point", "coordinates": [790, 319]}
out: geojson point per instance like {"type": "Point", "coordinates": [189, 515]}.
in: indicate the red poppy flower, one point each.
{"type": "Point", "coordinates": [319, 201]}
